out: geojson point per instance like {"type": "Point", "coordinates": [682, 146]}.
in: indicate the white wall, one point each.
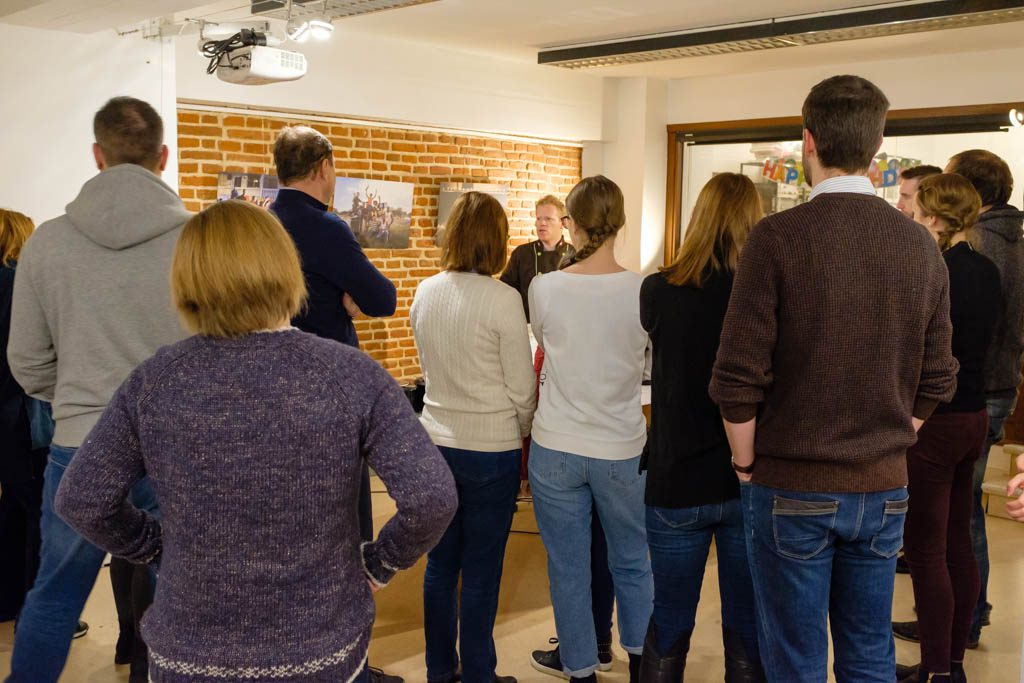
{"type": "Point", "coordinates": [633, 154]}
{"type": "Point", "coordinates": [53, 83]}
{"type": "Point", "coordinates": [934, 80]}
{"type": "Point", "coordinates": [379, 78]}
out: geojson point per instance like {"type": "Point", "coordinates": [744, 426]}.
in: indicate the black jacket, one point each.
{"type": "Point", "coordinates": [530, 260]}
{"type": "Point", "coordinates": [15, 436]}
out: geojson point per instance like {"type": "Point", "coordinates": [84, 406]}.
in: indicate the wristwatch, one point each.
{"type": "Point", "coordinates": [742, 469]}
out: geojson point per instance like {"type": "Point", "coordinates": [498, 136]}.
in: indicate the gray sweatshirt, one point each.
{"type": "Point", "coordinates": [92, 295]}
{"type": "Point", "coordinates": [1002, 240]}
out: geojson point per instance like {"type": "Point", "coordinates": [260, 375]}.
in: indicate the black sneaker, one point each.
{"type": "Point", "coordinates": [906, 630]}
{"type": "Point", "coordinates": [909, 631]}
{"type": "Point", "coordinates": [81, 629]}
{"type": "Point", "coordinates": [903, 671]}
{"type": "Point", "coordinates": [901, 565]}
{"type": "Point", "coordinates": [604, 656]}
{"type": "Point", "coordinates": [378, 676]}
{"type": "Point", "coordinates": [548, 661]}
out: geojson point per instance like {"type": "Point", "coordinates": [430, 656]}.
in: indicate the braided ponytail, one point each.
{"type": "Point", "coordinates": [597, 207]}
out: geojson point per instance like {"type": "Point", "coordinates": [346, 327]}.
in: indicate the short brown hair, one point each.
{"type": "Point", "coordinates": [298, 151]}
{"type": "Point", "coordinates": [922, 171]}
{"type": "Point", "coordinates": [14, 231]}
{"type": "Point", "coordinates": [235, 271]}
{"type": "Point", "coordinates": [598, 208]}
{"type": "Point", "coordinates": [846, 117]}
{"type": "Point", "coordinates": [129, 131]}
{"type": "Point", "coordinates": [989, 174]}
{"type": "Point", "coordinates": [726, 210]}
{"type": "Point", "coordinates": [476, 235]}
{"type": "Point", "coordinates": [551, 200]}
{"type": "Point", "coordinates": [952, 198]}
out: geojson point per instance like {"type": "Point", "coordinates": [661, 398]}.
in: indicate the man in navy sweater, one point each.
{"type": "Point", "coordinates": [340, 279]}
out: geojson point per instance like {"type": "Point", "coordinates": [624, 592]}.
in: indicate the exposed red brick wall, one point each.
{"type": "Point", "coordinates": [211, 142]}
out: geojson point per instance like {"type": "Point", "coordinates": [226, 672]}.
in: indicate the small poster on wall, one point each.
{"type": "Point", "coordinates": [452, 191]}
{"type": "Point", "coordinates": [254, 187]}
{"type": "Point", "coordinates": [378, 211]}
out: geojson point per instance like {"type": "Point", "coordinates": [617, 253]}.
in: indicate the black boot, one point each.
{"type": "Point", "coordinates": [634, 668]}
{"type": "Point", "coordinates": [121, 573]}
{"type": "Point", "coordinates": [739, 666]}
{"type": "Point", "coordinates": [957, 673]}
{"type": "Point", "coordinates": [667, 667]}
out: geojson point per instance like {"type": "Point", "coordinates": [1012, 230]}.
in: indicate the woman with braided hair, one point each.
{"type": "Point", "coordinates": [589, 431]}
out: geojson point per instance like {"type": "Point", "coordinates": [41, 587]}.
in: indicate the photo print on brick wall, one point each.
{"type": "Point", "coordinates": [452, 191]}
{"type": "Point", "coordinates": [378, 211]}
{"type": "Point", "coordinates": [258, 188]}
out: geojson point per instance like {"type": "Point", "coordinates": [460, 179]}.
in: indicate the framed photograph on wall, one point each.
{"type": "Point", "coordinates": [452, 191]}
{"type": "Point", "coordinates": [259, 188]}
{"type": "Point", "coordinates": [378, 211]}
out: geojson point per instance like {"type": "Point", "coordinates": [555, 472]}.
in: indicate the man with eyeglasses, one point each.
{"type": "Point", "coordinates": [541, 256]}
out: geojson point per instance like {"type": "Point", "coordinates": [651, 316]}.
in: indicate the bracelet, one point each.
{"type": "Point", "coordinates": [742, 469]}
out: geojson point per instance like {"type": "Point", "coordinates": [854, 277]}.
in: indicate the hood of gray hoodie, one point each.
{"type": "Point", "coordinates": [124, 206]}
{"type": "Point", "coordinates": [1003, 220]}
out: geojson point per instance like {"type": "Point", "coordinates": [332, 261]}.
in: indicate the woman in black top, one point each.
{"type": "Point", "coordinates": [692, 492]}
{"type": "Point", "coordinates": [940, 466]}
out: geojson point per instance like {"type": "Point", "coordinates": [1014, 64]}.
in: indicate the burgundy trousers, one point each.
{"type": "Point", "coordinates": [937, 536]}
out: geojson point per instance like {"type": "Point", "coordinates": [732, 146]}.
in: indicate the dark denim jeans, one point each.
{"type": "Point", "coordinates": [68, 568]}
{"type": "Point", "coordinates": [680, 540]}
{"type": "Point", "coordinates": [999, 408]}
{"type": "Point", "coordinates": [473, 547]}
{"type": "Point", "coordinates": [820, 558]}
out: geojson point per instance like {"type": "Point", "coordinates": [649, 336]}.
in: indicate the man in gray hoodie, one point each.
{"type": "Point", "coordinates": [1000, 237]}
{"type": "Point", "coordinates": [91, 301]}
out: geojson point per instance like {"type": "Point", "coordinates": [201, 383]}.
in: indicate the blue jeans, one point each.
{"type": "Point", "coordinates": [68, 567]}
{"type": "Point", "coordinates": [999, 408]}
{"type": "Point", "coordinates": [566, 487]}
{"type": "Point", "coordinates": [473, 546]}
{"type": "Point", "coordinates": [819, 558]}
{"type": "Point", "coordinates": [680, 539]}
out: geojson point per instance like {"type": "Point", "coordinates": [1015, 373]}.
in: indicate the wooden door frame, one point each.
{"type": "Point", "coordinates": [925, 121]}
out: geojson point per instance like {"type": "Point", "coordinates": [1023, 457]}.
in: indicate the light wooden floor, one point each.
{"type": "Point", "coordinates": [525, 621]}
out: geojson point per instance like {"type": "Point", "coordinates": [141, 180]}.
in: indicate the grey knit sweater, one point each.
{"type": "Point", "coordinates": [254, 447]}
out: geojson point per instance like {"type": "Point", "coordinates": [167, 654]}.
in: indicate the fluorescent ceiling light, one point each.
{"type": "Point", "coordinates": [333, 9]}
{"type": "Point", "coordinates": [870, 22]}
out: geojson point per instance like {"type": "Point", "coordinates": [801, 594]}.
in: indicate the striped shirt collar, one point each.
{"type": "Point", "coordinates": [856, 184]}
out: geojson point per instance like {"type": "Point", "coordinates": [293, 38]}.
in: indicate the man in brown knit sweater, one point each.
{"type": "Point", "coordinates": [836, 348]}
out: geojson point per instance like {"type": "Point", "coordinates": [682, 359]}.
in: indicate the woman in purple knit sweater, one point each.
{"type": "Point", "coordinates": [253, 435]}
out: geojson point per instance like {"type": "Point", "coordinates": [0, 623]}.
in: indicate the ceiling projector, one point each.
{"type": "Point", "coordinates": [246, 59]}
{"type": "Point", "coordinates": [259, 65]}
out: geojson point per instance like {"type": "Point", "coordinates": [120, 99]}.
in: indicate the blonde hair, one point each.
{"type": "Point", "coordinates": [476, 235]}
{"type": "Point", "coordinates": [235, 271]}
{"type": "Point", "coordinates": [14, 231]}
{"type": "Point", "coordinates": [726, 209]}
{"type": "Point", "coordinates": [951, 198]}
{"type": "Point", "coordinates": [551, 200]}
{"type": "Point", "coordinates": [597, 207]}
